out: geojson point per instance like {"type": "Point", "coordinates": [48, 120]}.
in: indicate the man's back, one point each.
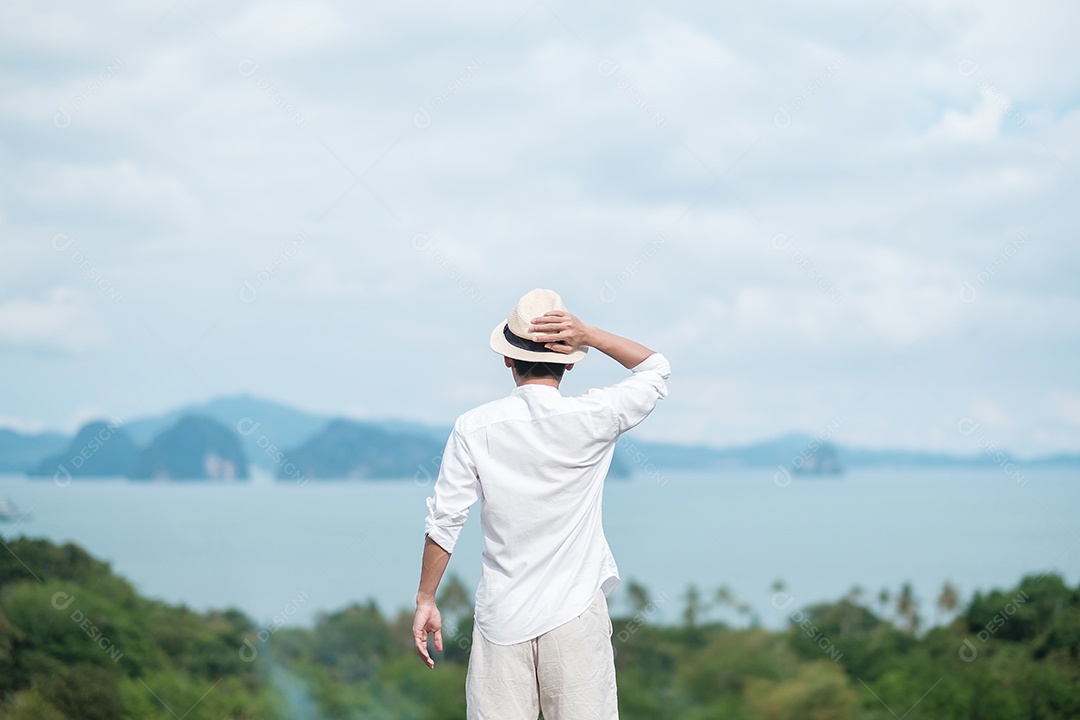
{"type": "Point", "coordinates": [538, 461]}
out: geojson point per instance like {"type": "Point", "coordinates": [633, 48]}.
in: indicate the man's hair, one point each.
{"type": "Point", "coordinates": [529, 368]}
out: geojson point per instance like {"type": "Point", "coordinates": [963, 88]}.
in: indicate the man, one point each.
{"type": "Point", "coordinates": [537, 460]}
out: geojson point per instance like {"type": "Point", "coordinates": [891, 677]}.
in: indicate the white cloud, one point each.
{"type": "Point", "coordinates": [1069, 407]}
{"type": "Point", "coordinates": [119, 191]}
{"type": "Point", "coordinates": [20, 425]}
{"type": "Point", "coordinates": [63, 321]}
{"type": "Point", "coordinates": [899, 177]}
{"type": "Point", "coordinates": [271, 29]}
{"type": "Point", "coordinates": [990, 413]}
{"type": "Point", "coordinates": [83, 414]}
{"type": "Point", "coordinates": [981, 124]}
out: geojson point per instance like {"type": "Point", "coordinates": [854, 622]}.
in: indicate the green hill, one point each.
{"type": "Point", "coordinates": [77, 643]}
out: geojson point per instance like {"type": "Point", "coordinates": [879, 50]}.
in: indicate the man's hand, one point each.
{"type": "Point", "coordinates": [427, 620]}
{"type": "Point", "coordinates": [560, 331]}
{"type": "Point", "coordinates": [563, 333]}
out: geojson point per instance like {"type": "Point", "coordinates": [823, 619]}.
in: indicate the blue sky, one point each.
{"type": "Point", "coordinates": [849, 212]}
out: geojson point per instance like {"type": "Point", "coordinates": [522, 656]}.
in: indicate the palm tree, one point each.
{"type": "Point", "coordinates": [948, 599]}
{"type": "Point", "coordinates": [693, 607]}
{"type": "Point", "coordinates": [907, 608]}
{"type": "Point", "coordinates": [639, 597]}
{"type": "Point", "coordinates": [746, 611]}
{"type": "Point", "coordinates": [883, 598]}
{"type": "Point", "coordinates": [854, 595]}
{"type": "Point", "coordinates": [724, 598]}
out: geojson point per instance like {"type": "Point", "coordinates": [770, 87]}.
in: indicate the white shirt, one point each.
{"type": "Point", "coordinates": [538, 460]}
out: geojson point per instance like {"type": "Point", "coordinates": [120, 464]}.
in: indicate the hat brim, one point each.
{"type": "Point", "coordinates": [502, 346]}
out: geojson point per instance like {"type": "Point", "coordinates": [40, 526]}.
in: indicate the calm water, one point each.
{"type": "Point", "coordinates": [260, 546]}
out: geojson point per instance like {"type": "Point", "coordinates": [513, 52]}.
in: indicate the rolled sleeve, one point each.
{"type": "Point", "coordinates": [632, 399]}
{"type": "Point", "coordinates": [456, 489]}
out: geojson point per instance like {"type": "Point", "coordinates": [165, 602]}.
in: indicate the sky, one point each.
{"type": "Point", "coordinates": [853, 219]}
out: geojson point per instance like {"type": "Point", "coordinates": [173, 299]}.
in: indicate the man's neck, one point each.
{"type": "Point", "coordinates": [549, 381]}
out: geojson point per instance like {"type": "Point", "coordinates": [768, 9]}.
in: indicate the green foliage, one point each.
{"type": "Point", "coordinates": [352, 642]}
{"type": "Point", "coordinates": [76, 642]}
{"type": "Point", "coordinates": [841, 660]}
{"type": "Point", "coordinates": [849, 633]}
{"type": "Point", "coordinates": [730, 660]}
{"type": "Point", "coordinates": [30, 705]}
{"type": "Point", "coordinates": [82, 690]}
{"type": "Point", "coordinates": [819, 691]}
{"type": "Point", "coordinates": [1025, 613]}
{"type": "Point", "coordinates": [68, 563]}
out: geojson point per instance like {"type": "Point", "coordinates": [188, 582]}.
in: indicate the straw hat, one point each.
{"type": "Point", "coordinates": [512, 338]}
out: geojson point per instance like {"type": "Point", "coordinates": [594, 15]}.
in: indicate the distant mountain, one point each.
{"type": "Point", "coordinates": [1056, 461]}
{"type": "Point", "coordinates": [352, 449]}
{"type": "Point", "coordinates": [275, 437]}
{"type": "Point", "coordinates": [818, 459]}
{"type": "Point", "coordinates": [20, 452]}
{"type": "Point", "coordinates": [809, 454]}
{"type": "Point", "coordinates": [258, 423]}
{"type": "Point", "coordinates": [99, 449]}
{"type": "Point", "coordinates": [194, 448]}
{"type": "Point", "coordinates": [265, 427]}
{"type": "Point", "coordinates": [862, 457]}
{"type": "Point", "coordinates": [769, 453]}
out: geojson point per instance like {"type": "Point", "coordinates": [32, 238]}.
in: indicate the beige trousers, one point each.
{"type": "Point", "coordinates": [568, 673]}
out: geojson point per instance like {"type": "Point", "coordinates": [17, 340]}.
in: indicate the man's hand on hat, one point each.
{"type": "Point", "coordinates": [560, 331]}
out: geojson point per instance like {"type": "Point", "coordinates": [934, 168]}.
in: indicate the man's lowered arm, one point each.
{"type": "Point", "coordinates": [427, 618]}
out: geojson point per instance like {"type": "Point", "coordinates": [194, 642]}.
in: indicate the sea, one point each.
{"type": "Point", "coordinates": [284, 552]}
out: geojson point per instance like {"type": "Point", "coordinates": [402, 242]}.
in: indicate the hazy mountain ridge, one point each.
{"type": "Point", "coordinates": [100, 448]}
{"type": "Point", "coordinates": [21, 451]}
{"type": "Point", "coordinates": [787, 450]}
{"type": "Point", "coordinates": [194, 447]}
{"type": "Point", "coordinates": [225, 437]}
{"type": "Point", "coordinates": [355, 450]}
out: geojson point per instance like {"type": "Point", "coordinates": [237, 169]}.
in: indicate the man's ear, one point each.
{"type": "Point", "coordinates": [569, 366]}
{"type": "Point", "coordinates": [508, 361]}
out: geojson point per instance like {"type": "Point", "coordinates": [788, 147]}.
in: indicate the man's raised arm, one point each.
{"type": "Point", "coordinates": [563, 332]}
